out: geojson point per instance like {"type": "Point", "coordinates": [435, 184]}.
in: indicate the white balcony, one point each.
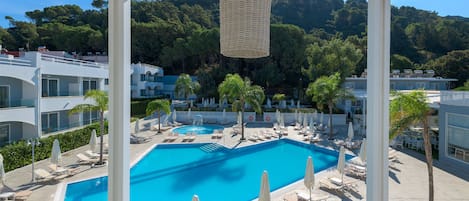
{"type": "Point", "coordinates": [20, 114]}
{"type": "Point", "coordinates": [53, 65]}
{"type": "Point", "coordinates": [58, 103]}
{"type": "Point", "coordinates": [17, 68]}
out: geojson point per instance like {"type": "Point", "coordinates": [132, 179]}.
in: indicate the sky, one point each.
{"type": "Point", "coordinates": [16, 9]}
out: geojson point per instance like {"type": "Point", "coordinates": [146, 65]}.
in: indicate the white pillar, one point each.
{"type": "Point", "coordinates": [119, 100]}
{"type": "Point", "coordinates": [378, 99]}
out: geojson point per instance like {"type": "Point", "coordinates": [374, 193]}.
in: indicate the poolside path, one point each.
{"type": "Point", "coordinates": [407, 182]}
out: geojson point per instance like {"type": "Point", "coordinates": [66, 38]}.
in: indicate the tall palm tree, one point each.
{"type": "Point", "coordinates": [238, 92]}
{"type": "Point", "coordinates": [185, 86]}
{"type": "Point", "coordinates": [327, 91]}
{"type": "Point", "coordinates": [412, 109]}
{"type": "Point", "coordinates": [101, 100]}
{"type": "Point", "coordinates": [158, 105]}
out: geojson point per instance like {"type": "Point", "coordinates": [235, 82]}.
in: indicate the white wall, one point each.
{"type": "Point", "coordinates": [20, 114]}
{"type": "Point", "coordinates": [49, 104]}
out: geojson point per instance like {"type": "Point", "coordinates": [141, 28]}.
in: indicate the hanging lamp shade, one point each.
{"type": "Point", "coordinates": [245, 28]}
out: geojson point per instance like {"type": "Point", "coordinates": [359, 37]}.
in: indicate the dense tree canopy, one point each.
{"type": "Point", "coordinates": [309, 39]}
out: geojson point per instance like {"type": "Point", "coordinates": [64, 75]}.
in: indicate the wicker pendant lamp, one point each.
{"type": "Point", "coordinates": [245, 28]}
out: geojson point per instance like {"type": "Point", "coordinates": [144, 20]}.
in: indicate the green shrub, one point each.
{"type": "Point", "coordinates": [18, 154]}
{"type": "Point", "coordinates": [138, 108]}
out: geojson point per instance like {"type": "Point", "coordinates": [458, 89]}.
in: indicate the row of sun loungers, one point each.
{"type": "Point", "coordinates": [189, 137]}
{"type": "Point", "coordinates": [262, 135]}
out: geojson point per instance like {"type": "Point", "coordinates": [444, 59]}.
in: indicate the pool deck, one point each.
{"type": "Point", "coordinates": [407, 180]}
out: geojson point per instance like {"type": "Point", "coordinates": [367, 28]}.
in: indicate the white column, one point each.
{"type": "Point", "coordinates": [119, 100]}
{"type": "Point", "coordinates": [377, 129]}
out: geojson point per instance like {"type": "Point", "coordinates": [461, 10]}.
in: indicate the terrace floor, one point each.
{"type": "Point", "coordinates": [407, 181]}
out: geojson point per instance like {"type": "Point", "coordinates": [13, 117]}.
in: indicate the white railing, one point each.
{"type": "Point", "coordinates": [14, 62]}
{"type": "Point", "coordinates": [77, 62]}
{"type": "Point", "coordinates": [460, 98]}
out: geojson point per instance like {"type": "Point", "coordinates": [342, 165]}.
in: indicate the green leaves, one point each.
{"type": "Point", "coordinates": [332, 56]}
{"type": "Point", "coordinates": [407, 109]}
{"type": "Point", "coordinates": [100, 99]}
{"type": "Point", "coordinates": [18, 154]}
{"type": "Point", "coordinates": [158, 105]}
{"type": "Point", "coordinates": [185, 86]}
{"type": "Point", "coordinates": [239, 91]}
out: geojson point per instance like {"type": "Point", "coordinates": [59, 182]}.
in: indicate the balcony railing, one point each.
{"type": "Point", "coordinates": [14, 62]}
{"type": "Point", "coordinates": [70, 61]}
{"type": "Point", "coordinates": [20, 103]}
{"type": "Point", "coordinates": [69, 126]}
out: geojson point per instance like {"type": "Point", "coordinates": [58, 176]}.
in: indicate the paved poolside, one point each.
{"type": "Point", "coordinates": [408, 181]}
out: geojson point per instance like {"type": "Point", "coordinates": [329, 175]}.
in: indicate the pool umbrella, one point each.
{"type": "Point", "coordinates": [2, 170]}
{"type": "Point", "coordinates": [305, 121]}
{"type": "Point", "coordinates": [93, 140]}
{"type": "Point", "coordinates": [350, 131]}
{"type": "Point", "coordinates": [298, 104]}
{"type": "Point", "coordinates": [341, 162]}
{"type": "Point", "coordinates": [189, 114]}
{"type": "Point", "coordinates": [321, 119]}
{"type": "Point", "coordinates": [309, 175]}
{"type": "Point", "coordinates": [195, 198]}
{"type": "Point", "coordinates": [277, 116]}
{"type": "Point", "coordinates": [174, 116]}
{"type": "Point", "coordinates": [315, 115]}
{"type": "Point", "coordinates": [296, 116]}
{"type": "Point", "coordinates": [264, 194]}
{"type": "Point", "coordinates": [240, 119]}
{"type": "Point", "coordinates": [362, 154]}
{"type": "Point", "coordinates": [224, 116]}
{"type": "Point", "coordinates": [55, 157]}
{"type": "Point", "coordinates": [137, 127]}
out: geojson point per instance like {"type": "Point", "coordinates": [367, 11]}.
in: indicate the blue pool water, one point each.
{"type": "Point", "coordinates": [176, 172]}
{"type": "Point", "coordinates": [202, 129]}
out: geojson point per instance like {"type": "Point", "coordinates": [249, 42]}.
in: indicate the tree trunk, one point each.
{"type": "Point", "coordinates": [159, 121]}
{"type": "Point", "coordinates": [101, 138]}
{"type": "Point", "coordinates": [242, 123]}
{"type": "Point", "coordinates": [429, 157]}
{"type": "Point", "coordinates": [330, 121]}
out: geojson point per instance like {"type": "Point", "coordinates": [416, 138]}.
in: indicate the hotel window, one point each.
{"type": "Point", "coordinates": [143, 92]}
{"type": "Point", "coordinates": [50, 122]}
{"type": "Point", "coordinates": [4, 134]}
{"type": "Point", "coordinates": [457, 133]}
{"type": "Point", "coordinates": [89, 85]}
{"type": "Point", "coordinates": [4, 96]}
{"type": "Point", "coordinates": [50, 87]}
{"type": "Point", "coordinates": [87, 117]}
{"type": "Point", "coordinates": [142, 77]}
{"type": "Point", "coordinates": [106, 81]}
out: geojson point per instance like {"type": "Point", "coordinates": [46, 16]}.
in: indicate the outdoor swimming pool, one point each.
{"type": "Point", "coordinates": [198, 129]}
{"type": "Point", "coordinates": [228, 175]}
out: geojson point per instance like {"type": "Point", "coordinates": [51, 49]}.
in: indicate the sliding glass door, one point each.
{"type": "Point", "coordinates": [4, 96]}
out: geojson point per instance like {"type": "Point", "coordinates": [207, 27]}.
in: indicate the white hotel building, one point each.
{"type": "Point", "coordinates": [38, 89]}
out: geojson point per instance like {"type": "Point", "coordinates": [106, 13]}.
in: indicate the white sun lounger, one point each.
{"type": "Point", "coordinates": [304, 196]}
{"type": "Point", "coordinates": [45, 175]}
{"type": "Point", "coordinates": [85, 159]}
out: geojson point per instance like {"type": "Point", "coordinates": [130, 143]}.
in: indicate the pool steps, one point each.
{"type": "Point", "coordinates": [211, 147]}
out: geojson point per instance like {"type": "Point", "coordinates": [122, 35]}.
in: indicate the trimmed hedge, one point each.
{"type": "Point", "coordinates": [18, 154]}
{"type": "Point", "coordinates": [138, 108]}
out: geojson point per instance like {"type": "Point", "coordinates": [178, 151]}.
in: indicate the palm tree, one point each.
{"type": "Point", "coordinates": [238, 92]}
{"type": "Point", "coordinates": [327, 91]}
{"type": "Point", "coordinates": [185, 86]}
{"type": "Point", "coordinates": [158, 105]}
{"type": "Point", "coordinates": [100, 104]}
{"type": "Point", "coordinates": [411, 109]}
